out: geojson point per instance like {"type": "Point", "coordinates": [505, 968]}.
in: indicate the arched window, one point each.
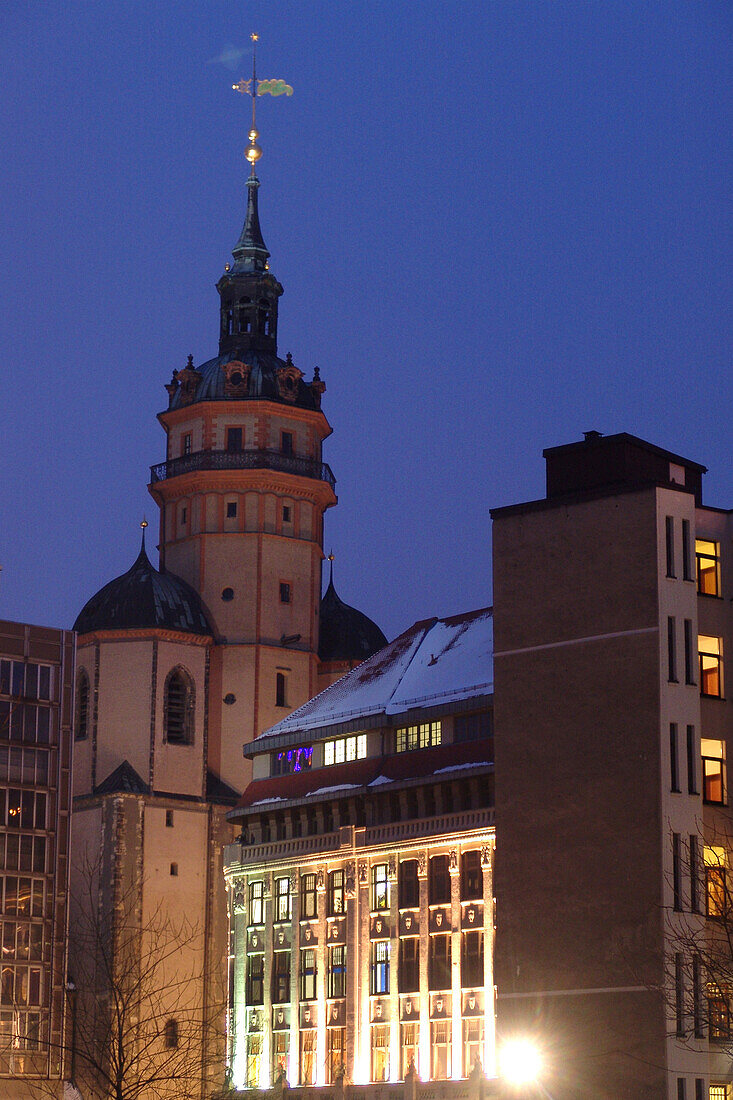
{"type": "Point", "coordinates": [170, 1033]}
{"type": "Point", "coordinates": [81, 722]}
{"type": "Point", "coordinates": [179, 707]}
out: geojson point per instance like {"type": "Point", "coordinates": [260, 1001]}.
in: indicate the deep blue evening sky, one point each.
{"type": "Point", "coordinates": [498, 224]}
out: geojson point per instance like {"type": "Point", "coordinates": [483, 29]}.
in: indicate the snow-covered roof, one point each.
{"type": "Point", "coordinates": [435, 662]}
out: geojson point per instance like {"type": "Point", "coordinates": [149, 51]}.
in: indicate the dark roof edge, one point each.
{"type": "Point", "coordinates": [585, 495]}
{"type": "Point", "coordinates": [624, 437]}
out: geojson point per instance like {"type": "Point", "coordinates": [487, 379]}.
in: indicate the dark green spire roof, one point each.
{"type": "Point", "coordinates": [250, 252]}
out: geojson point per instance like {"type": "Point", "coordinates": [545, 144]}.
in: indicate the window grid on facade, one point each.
{"type": "Point", "coordinates": [440, 1052]}
{"type": "Point", "coordinates": [336, 1053]}
{"type": "Point", "coordinates": [308, 897]}
{"type": "Point", "coordinates": [671, 650]}
{"type": "Point", "coordinates": [677, 871]}
{"type": "Point", "coordinates": [379, 969]}
{"type": "Point", "coordinates": [409, 1048]}
{"type": "Point", "coordinates": [408, 969]}
{"type": "Point", "coordinates": [422, 736]}
{"type": "Point", "coordinates": [669, 540]}
{"type": "Point", "coordinates": [707, 558]}
{"type": "Point", "coordinates": [280, 977]}
{"type": "Point", "coordinates": [719, 1022]}
{"type": "Point", "coordinates": [408, 885]}
{"type": "Point", "coordinates": [337, 971]}
{"type": "Point", "coordinates": [257, 902]}
{"type": "Point", "coordinates": [255, 979]}
{"type": "Point", "coordinates": [282, 899]}
{"type": "Point", "coordinates": [307, 974]}
{"type": "Point", "coordinates": [713, 771]}
{"type": "Point", "coordinates": [439, 962]}
{"type": "Point", "coordinates": [710, 652]}
{"type": "Point", "coordinates": [343, 749]}
{"type": "Point", "coordinates": [686, 551]}
{"type": "Point", "coordinates": [674, 768]}
{"type": "Point", "coordinates": [380, 1052]}
{"type": "Point", "coordinates": [336, 892]}
{"type": "Point", "coordinates": [689, 656]}
{"type": "Point", "coordinates": [380, 887]}
{"type": "Point", "coordinates": [473, 1043]}
{"type": "Point", "coordinates": [81, 726]}
{"type": "Point", "coordinates": [691, 762]}
{"type": "Point", "coordinates": [472, 959]}
{"type": "Point", "coordinates": [439, 881]}
{"type": "Point", "coordinates": [694, 874]}
{"type": "Point", "coordinates": [716, 882]}
{"type": "Point", "coordinates": [307, 1057]}
{"type": "Point", "coordinates": [472, 884]}
{"type": "Point", "coordinates": [679, 995]}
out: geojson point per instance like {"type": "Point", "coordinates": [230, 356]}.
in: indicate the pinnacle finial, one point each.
{"type": "Point", "coordinates": [143, 527]}
{"type": "Point", "coordinates": [331, 560]}
{"type": "Point", "coordinates": [253, 88]}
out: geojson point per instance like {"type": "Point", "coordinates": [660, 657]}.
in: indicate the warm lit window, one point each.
{"type": "Point", "coordinates": [282, 899]}
{"type": "Point", "coordinates": [473, 1043]}
{"type": "Point", "coordinates": [335, 1054]}
{"type": "Point", "coordinates": [409, 885]}
{"type": "Point", "coordinates": [336, 885]}
{"type": "Point", "coordinates": [344, 749]}
{"type": "Point", "coordinates": [254, 1059]}
{"type": "Point", "coordinates": [307, 974]}
{"type": "Point", "coordinates": [81, 726]}
{"type": "Point", "coordinates": [713, 770]}
{"type": "Point", "coordinates": [410, 1048]}
{"type": "Point", "coordinates": [281, 977]}
{"type": "Point", "coordinates": [307, 1057]}
{"type": "Point", "coordinates": [379, 969]}
{"type": "Point", "coordinates": [380, 887]}
{"type": "Point", "coordinates": [439, 962]}
{"type": "Point", "coordinates": [337, 971]}
{"type": "Point", "coordinates": [707, 555]}
{"type": "Point", "coordinates": [257, 902]}
{"type": "Point", "coordinates": [440, 1050]}
{"type": "Point", "coordinates": [280, 1043]}
{"type": "Point", "coordinates": [711, 665]}
{"type": "Point", "coordinates": [380, 1053]}
{"type": "Point", "coordinates": [719, 1021]}
{"type": "Point", "coordinates": [718, 1092]}
{"type": "Point", "coordinates": [179, 708]}
{"type": "Point", "coordinates": [716, 881]}
{"type": "Point", "coordinates": [439, 881]}
{"type": "Point", "coordinates": [308, 896]}
{"type": "Point", "coordinates": [424, 736]}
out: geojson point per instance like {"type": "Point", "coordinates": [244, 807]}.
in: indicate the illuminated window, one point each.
{"type": "Point", "coordinates": [711, 665]}
{"type": "Point", "coordinates": [380, 1053]}
{"type": "Point", "coordinates": [473, 1043]}
{"type": "Point", "coordinates": [254, 1060]}
{"type": "Point", "coordinates": [439, 881]}
{"type": "Point", "coordinates": [409, 885]}
{"type": "Point", "coordinates": [343, 749]}
{"type": "Point", "coordinates": [255, 979]}
{"type": "Point", "coordinates": [257, 902]}
{"type": "Point", "coordinates": [719, 1021]}
{"type": "Point", "coordinates": [280, 977]}
{"type": "Point", "coordinates": [282, 899]}
{"type": "Point", "coordinates": [81, 726]}
{"type": "Point", "coordinates": [439, 962]}
{"type": "Point", "coordinates": [292, 760]}
{"type": "Point", "coordinates": [337, 971]}
{"type": "Point", "coordinates": [718, 1092]}
{"type": "Point", "coordinates": [440, 1050]}
{"type": "Point", "coordinates": [335, 1054]}
{"type": "Point", "coordinates": [178, 708]}
{"type": "Point", "coordinates": [707, 555]}
{"type": "Point", "coordinates": [308, 897]}
{"type": "Point", "coordinates": [408, 969]}
{"type": "Point", "coordinates": [280, 1041]}
{"type": "Point", "coordinates": [409, 1048]}
{"type": "Point", "coordinates": [380, 887]}
{"type": "Point", "coordinates": [307, 1057]}
{"type": "Point", "coordinates": [335, 896]}
{"type": "Point", "coordinates": [307, 974]}
{"type": "Point", "coordinates": [379, 969]}
{"type": "Point", "coordinates": [716, 881]}
{"type": "Point", "coordinates": [713, 771]}
{"type": "Point", "coordinates": [423, 736]}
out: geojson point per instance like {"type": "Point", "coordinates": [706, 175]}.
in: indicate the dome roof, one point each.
{"type": "Point", "coordinates": [262, 381]}
{"type": "Point", "coordinates": [143, 598]}
{"type": "Point", "coordinates": [346, 634]}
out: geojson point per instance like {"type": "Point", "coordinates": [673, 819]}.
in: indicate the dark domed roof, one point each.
{"type": "Point", "coordinates": [143, 598]}
{"type": "Point", "coordinates": [346, 634]}
{"type": "Point", "coordinates": [262, 381]}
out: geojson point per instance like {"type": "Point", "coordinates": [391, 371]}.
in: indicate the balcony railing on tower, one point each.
{"type": "Point", "coordinates": [243, 460]}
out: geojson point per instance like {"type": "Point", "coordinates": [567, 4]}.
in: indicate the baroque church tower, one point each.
{"type": "Point", "coordinates": [178, 666]}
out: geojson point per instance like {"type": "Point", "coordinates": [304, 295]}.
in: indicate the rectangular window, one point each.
{"type": "Point", "coordinates": [409, 1048]}
{"type": "Point", "coordinates": [335, 1054]}
{"type": "Point", "coordinates": [408, 969]}
{"type": "Point", "coordinates": [380, 887]}
{"type": "Point", "coordinates": [308, 897]}
{"type": "Point", "coordinates": [691, 762]}
{"type": "Point", "coordinates": [716, 881]}
{"type": "Point", "coordinates": [711, 665]}
{"type": "Point", "coordinates": [380, 1053]}
{"type": "Point", "coordinates": [671, 650]}
{"type": "Point", "coordinates": [472, 880]}
{"type": "Point", "coordinates": [337, 971]}
{"type": "Point", "coordinates": [290, 761]}
{"type": "Point", "coordinates": [308, 974]}
{"type": "Point", "coordinates": [439, 962]}
{"type": "Point", "coordinates": [231, 509]}
{"type": "Point", "coordinates": [286, 443]}
{"type": "Point", "coordinates": [686, 551]}
{"type": "Point", "coordinates": [669, 533]}
{"type": "Point", "coordinates": [255, 979]}
{"type": "Point", "coordinates": [379, 969]}
{"type": "Point", "coordinates": [186, 444]}
{"type": "Point", "coordinates": [713, 771]}
{"type": "Point", "coordinates": [694, 874]}
{"type": "Point", "coordinates": [697, 998]}
{"type": "Point", "coordinates": [472, 727]}
{"type": "Point", "coordinates": [307, 1057]}
{"type": "Point", "coordinates": [424, 736]}
{"type": "Point", "coordinates": [342, 749]}
{"type": "Point", "coordinates": [689, 658]}
{"type": "Point", "coordinates": [281, 977]}
{"type": "Point", "coordinates": [677, 871]}
{"type": "Point", "coordinates": [719, 1023]}
{"type": "Point", "coordinates": [336, 895]}
{"type": "Point", "coordinates": [679, 995]}
{"type": "Point", "coordinates": [280, 1042]}
{"type": "Point", "coordinates": [707, 557]}
{"type": "Point", "coordinates": [473, 1043]}
{"type": "Point", "coordinates": [472, 959]}
{"type": "Point", "coordinates": [280, 689]}
{"type": "Point", "coordinates": [409, 885]}
{"type": "Point", "coordinates": [254, 1059]}
{"type": "Point", "coordinates": [439, 881]}
{"type": "Point", "coordinates": [284, 592]}
{"type": "Point", "coordinates": [673, 758]}
{"type": "Point", "coordinates": [287, 513]}
{"type": "Point", "coordinates": [282, 899]}
{"type": "Point", "coordinates": [681, 1089]}
{"type": "Point", "coordinates": [257, 903]}
{"type": "Point", "coordinates": [234, 440]}
{"type": "Point", "coordinates": [440, 1050]}
{"type": "Point", "coordinates": [718, 1092]}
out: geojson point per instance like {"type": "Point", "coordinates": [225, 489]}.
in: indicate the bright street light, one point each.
{"type": "Point", "coordinates": [520, 1062]}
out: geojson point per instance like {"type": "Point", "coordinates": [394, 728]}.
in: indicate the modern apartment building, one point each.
{"type": "Point", "coordinates": [36, 694]}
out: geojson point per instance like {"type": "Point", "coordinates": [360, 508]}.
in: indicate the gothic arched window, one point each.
{"type": "Point", "coordinates": [179, 706]}
{"type": "Point", "coordinates": [81, 718]}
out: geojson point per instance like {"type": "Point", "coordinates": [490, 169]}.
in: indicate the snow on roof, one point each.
{"type": "Point", "coordinates": [435, 661]}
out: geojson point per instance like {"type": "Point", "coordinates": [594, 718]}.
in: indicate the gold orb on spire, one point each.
{"type": "Point", "coordinates": [144, 523]}
{"type": "Point", "coordinates": [253, 152]}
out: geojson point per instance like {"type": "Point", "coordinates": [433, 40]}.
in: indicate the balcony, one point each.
{"type": "Point", "coordinates": [242, 460]}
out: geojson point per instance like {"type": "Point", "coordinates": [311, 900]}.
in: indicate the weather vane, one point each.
{"type": "Point", "coordinates": [255, 87]}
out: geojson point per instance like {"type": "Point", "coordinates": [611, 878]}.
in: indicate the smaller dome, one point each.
{"type": "Point", "coordinates": [346, 634]}
{"type": "Point", "coordinates": [142, 598]}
